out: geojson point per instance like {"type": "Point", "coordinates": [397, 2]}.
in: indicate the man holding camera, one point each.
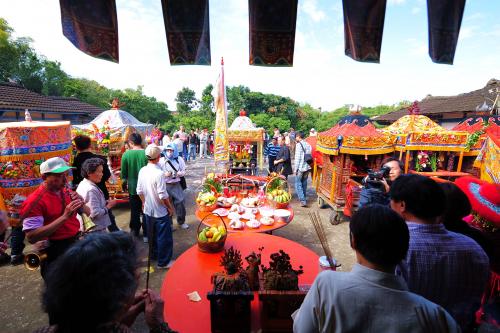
{"type": "Point", "coordinates": [377, 183]}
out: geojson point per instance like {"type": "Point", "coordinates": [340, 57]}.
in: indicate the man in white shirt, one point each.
{"type": "Point", "coordinates": [157, 208]}
{"type": "Point", "coordinates": [183, 136]}
{"type": "Point", "coordinates": [301, 167]}
{"type": "Point", "coordinates": [371, 298]}
{"type": "Point", "coordinates": [203, 143]}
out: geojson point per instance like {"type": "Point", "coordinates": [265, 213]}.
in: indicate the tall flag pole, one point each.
{"type": "Point", "coordinates": [221, 144]}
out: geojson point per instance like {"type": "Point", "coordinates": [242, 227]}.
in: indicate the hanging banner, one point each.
{"type": "Point", "coordinates": [272, 32]}
{"type": "Point", "coordinates": [445, 18]}
{"type": "Point", "coordinates": [187, 27]}
{"type": "Point", "coordinates": [221, 142]}
{"type": "Point", "coordinates": [91, 26]}
{"type": "Point", "coordinates": [363, 29]}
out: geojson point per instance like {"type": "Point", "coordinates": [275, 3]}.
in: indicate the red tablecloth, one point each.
{"type": "Point", "coordinates": [193, 269]}
{"type": "Point", "coordinates": [263, 228]}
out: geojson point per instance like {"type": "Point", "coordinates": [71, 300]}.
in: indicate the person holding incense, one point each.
{"type": "Point", "coordinates": [371, 298]}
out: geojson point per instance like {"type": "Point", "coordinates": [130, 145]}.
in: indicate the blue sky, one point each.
{"type": "Point", "coordinates": [322, 75]}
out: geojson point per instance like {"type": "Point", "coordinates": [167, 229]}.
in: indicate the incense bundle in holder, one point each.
{"type": "Point", "coordinates": [320, 231]}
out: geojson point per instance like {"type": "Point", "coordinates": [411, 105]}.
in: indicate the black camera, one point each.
{"type": "Point", "coordinates": [378, 175]}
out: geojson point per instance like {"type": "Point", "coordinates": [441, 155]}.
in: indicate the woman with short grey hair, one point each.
{"type": "Point", "coordinates": [92, 172]}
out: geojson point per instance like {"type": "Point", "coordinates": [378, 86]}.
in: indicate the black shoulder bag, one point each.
{"type": "Point", "coordinates": [307, 157]}
{"type": "Point", "coordinates": [183, 180]}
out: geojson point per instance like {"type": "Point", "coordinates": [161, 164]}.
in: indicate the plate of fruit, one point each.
{"type": "Point", "coordinates": [277, 194]}
{"type": "Point", "coordinates": [211, 239]}
{"type": "Point", "coordinates": [207, 201]}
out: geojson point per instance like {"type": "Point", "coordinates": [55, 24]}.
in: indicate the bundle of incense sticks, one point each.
{"type": "Point", "coordinates": [320, 231]}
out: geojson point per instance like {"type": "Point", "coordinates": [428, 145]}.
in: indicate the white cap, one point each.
{"type": "Point", "coordinates": [54, 165]}
{"type": "Point", "coordinates": [152, 152]}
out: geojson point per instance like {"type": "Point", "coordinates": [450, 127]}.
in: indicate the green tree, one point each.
{"type": "Point", "coordinates": [207, 102]}
{"type": "Point", "coordinates": [186, 100]}
{"type": "Point", "coordinates": [54, 78]}
{"type": "Point", "coordinates": [145, 108]}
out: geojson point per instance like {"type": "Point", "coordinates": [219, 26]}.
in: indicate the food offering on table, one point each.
{"type": "Point", "coordinates": [266, 220]}
{"type": "Point", "coordinates": [277, 193]}
{"type": "Point", "coordinates": [226, 202]}
{"type": "Point", "coordinates": [282, 215]}
{"type": "Point", "coordinates": [211, 189]}
{"type": "Point", "coordinates": [266, 212]}
{"type": "Point", "coordinates": [211, 183]}
{"type": "Point", "coordinates": [212, 238]}
{"type": "Point", "coordinates": [236, 224]}
{"type": "Point", "coordinates": [250, 202]}
{"type": "Point", "coordinates": [207, 201]}
{"type": "Point", "coordinates": [221, 212]}
{"type": "Point", "coordinates": [247, 216]}
{"type": "Point", "coordinates": [253, 224]}
{"type": "Point", "coordinates": [237, 209]}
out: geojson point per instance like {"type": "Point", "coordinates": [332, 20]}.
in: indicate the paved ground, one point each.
{"type": "Point", "coordinates": [20, 309]}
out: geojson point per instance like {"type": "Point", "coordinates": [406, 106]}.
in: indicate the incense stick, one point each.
{"type": "Point", "coordinates": [320, 231]}
{"type": "Point", "coordinates": [150, 228]}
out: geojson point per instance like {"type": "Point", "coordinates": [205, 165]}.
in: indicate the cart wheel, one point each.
{"type": "Point", "coordinates": [334, 218]}
{"type": "Point", "coordinates": [321, 202]}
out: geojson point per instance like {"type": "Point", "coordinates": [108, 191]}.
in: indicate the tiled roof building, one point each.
{"type": "Point", "coordinates": [14, 100]}
{"type": "Point", "coordinates": [448, 110]}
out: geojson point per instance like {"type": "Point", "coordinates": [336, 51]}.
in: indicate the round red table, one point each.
{"type": "Point", "coordinates": [263, 228]}
{"type": "Point", "coordinates": [193, 269]}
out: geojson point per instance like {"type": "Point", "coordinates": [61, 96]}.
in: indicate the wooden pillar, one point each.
{"type": "Point", "coordinates": [334, 177]}
{"type": "Point", "coordinates": [460, 160]}
{"type": "Point", "coordinates": [407, 160]}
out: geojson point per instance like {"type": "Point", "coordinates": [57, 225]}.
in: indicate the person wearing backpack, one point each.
{"type": "Point", "coordinates": [303, 159]}
{"type": "Point", "coordinates": [174, 168]}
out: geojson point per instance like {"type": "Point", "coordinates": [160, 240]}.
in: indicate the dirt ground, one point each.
{"type": "Point", "coordinates": [20, 307]}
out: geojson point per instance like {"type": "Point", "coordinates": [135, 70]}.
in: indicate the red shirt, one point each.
{"type": "Point", "coordinates": [50, 207]}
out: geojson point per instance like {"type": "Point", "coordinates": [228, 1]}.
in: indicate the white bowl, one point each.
{"type": "Point", "coordinates": [282, 215]}
{"type": "Point", "coordinates": [266, 220]}
{"type": "Point", "coordinates": [254, 224]}
{"type": "Point", "coordinates": [221, 211]}
{"type": "Point", "coordinates": [247, 216]}
{"type": "Point", "coordinates": [266, 212]}
{"type": "Point", "coordinates": [233, 216]}
{"type": "Point", "coordinates": [236, 224]}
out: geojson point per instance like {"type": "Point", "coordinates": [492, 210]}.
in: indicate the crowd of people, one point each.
{"type": "Point", "coordinates": [420, 267]}
{"type": "Point", "coordinates": [190, 145]}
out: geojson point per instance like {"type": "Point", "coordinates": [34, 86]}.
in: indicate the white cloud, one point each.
{"type": "Point", "coordinates": [467, 32]}
{"type": "Point", "coordinates": [310, 7]}
{"type": "Point", "coordinates": [396, 2]}
{"type": "Point", "coordinates": [473, 17]}
{"type": "Point", "coordinates": [415, 10]}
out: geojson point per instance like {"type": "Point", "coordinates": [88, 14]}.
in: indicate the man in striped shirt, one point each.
{"type": "Point", "coordinates": [272, 150]}
{"type": "Point", "coordinates": [301, 167]}
{"type": "Point", "coordinates": [447, 268]}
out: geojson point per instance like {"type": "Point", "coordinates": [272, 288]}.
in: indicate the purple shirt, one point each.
{"type": "Point", "coordinates": [447, 268]}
